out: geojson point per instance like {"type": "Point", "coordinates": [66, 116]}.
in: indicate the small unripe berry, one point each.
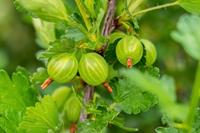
{"type": "Point", "coordinates": [129, 51]}
{"type": "Point", "coordinates": [63, 67]}
{"type": "Point", "coordinates": [72, 109]}
{"type": "Point", "coordinates": [60, 95]}
{"type": "Point", "coordinates": [93, 69]}
{"type": "Point", "coordinates": [150, 52]}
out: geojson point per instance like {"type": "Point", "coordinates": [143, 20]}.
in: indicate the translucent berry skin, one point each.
{"type": "Point", "coordinates": [63, 67]}
{"type": "Point", "coordinates": [60, 95]}
{"type": "Point", "coordinates": [93, 69]}
{"type": "Point", "coordinates": [129, 47]}
{"type": "Point", "coordinates": [72, 109]}
{"type": "Point", "coordinates": [150, 52]}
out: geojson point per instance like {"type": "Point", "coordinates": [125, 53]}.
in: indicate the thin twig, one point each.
{"type": "Point", "coordinates": [88, 96]}
{"type": "Point", "coordinates": [109, 18]}
{"type": "Point", "coordinates": [108, 23]}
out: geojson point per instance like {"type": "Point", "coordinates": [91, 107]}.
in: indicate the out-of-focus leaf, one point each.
{"type": "Point", "coordinates": [45, 32]}
{"type": "Point", "coordinates": [3, 59]}
{"type": "Point", "coordinates": [15, 96]}
{"type": "Point", "coordinates": [42, 118]}
{"type": "Point", "coordinates": [50, 10]}
{"type": "Point", "coordinates": [192, 6]}
{"type": "Point", "coordinates": [188, 35]}
{"type": "Point", "coordinates": [196, 123]}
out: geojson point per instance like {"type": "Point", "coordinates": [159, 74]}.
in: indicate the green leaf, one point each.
{"type": "Point", "coordinates": [163, 89]}
{"type": "Point", "coordinates": [50, 10]}
{"type": "Point", "coordinates": [42, 118]}
{"type": "Point", "coordinates": [188, 35]}
{"type": "Point", "coordinates": [45, 32]}
{"type": "Point", "coordinates": [99, 124]}
{"type": "Point", "coordinates": [196, 123]}
{"type": "Point", "coordinates": [39, 76]}
{"type": "Point", "coordinates": [130, 98]}
{"type": "Point", "coordinates": [192, 6]}
{"type": "Point", "coordinates": [74, 34]}
{"type": "Point", "coordinates": [15, 96]}
{"type": "Point", "coordinates": [90, 5]}
{"type": "Point", "coordinates": [61, 46]}
{"type": "Point", "coordinates": [167, 130]}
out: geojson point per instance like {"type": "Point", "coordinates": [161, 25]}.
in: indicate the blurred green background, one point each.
{"type": "Point", "coordinates": [18, 48]}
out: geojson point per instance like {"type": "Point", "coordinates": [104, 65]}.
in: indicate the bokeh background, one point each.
{"type": "Point", "coordinates": [18, 48]}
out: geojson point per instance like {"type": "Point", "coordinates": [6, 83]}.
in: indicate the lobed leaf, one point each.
{"type": "Point", "coordinates": [42, 118]}
{"type": "Point", "coordinates": [15, 95]}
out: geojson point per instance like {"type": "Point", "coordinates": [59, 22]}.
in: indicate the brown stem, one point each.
{"type": "Point", "coordinates": [88, 96]}
{"type": "Point", "coordinates": [73, 128]}
{"type": "Point", "coordinates": [109, 23]}
{"type": "Point", "coordinates": [46, 83]}
{"type": "Point", "coordinates": [129, 63]}
{"type": "Point", "coordinates": [108, 87]}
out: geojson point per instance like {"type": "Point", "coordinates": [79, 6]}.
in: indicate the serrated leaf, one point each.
{"type": "Point", "coordinates": [192, 6]}
{"type": "Point", "coordinates": [188, 35]}
{"type": "Point", "coordinates": [98, 125]}
{"type": "Point", "coordinates": [131, 99]}
{"type": "Point", "coordinates": [45, 32]}
{"type": "Point", "coordinates": [42, 118]}
{"type": "Point", "coordinates": [15, 96]}
{"type": "Point", "coordinates": [49, 10]}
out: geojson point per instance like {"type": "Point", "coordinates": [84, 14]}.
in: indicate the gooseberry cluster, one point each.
{"type": "Point", "coordinates": [93, 68]}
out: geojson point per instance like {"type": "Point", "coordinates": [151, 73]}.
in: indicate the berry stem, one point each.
{"type": "Point", "coordinates": [129, 63]}
{"type": "Point", "coordinates": [46, 83]}
{"type": "Point", "coordinates": [108, 87]}
{"type": "Point", "coordinates": [73, 128]}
